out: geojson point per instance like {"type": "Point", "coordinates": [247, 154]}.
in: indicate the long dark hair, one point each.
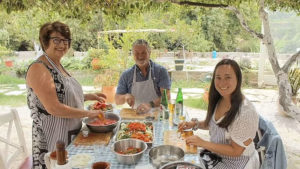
{"type": "Point", "coordinates": [236, 96]}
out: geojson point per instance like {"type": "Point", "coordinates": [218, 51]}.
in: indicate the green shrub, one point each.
{"type": "Point", "coordinates": [21, 68]}
{"type": "Point", "coordinates": [71, 63]}
{"type": "Point", "coordinates": [294, 78]}
{"type": "Point", "coordinates": [109, 59]}
{"type": "Point", "coordinates": [5, 53]}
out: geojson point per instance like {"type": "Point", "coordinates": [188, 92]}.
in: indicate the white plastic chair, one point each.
{"type": "Point", "coordinates": [7, 158]}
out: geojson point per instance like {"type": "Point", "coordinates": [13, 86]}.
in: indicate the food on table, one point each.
{"type": "Point", "coordinates": [101, 165]}
{"type": "Point", "coordinates": [101, 106]}
{"type": "Point", "coordinates": [101, 117]}
{"type": "Point", "coordinates": [81, 160]}
{"type": "Point", "coordinates": [130, 150]}
{"type": "Point", "coordinates": [104, 122]}
{"type": "Point", "coordinates": [138, 130]}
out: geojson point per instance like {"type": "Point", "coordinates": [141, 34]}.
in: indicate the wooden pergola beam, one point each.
{"type": "Point", "coordinates": [135, 30]}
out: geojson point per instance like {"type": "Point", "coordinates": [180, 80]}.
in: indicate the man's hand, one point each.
{"type": "Point", "coordinates": [129, 98]}
{"type": "Point", "coordinates": [95, 96]}
{"type": "Point", "coordinates": [143, 108]}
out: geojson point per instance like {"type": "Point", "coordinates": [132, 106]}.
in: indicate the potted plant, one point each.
{"type": "Point", "coordinates": [108, 80]}
{"type": "Point", "coordinates": [179, 61]}
{"type": "Point", "coordinates": [98, 58]}
{"type": "Point", "coordinates": [4, 55]}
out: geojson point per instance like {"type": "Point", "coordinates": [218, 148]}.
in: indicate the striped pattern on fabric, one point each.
{"type": "Point", "coordinates": [217, 135]}
{"type": "Point", "coordinates": [47, 129]}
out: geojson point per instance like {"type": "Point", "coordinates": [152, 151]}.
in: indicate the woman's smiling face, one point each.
{"type": "Point", "coordinates": [58, 45]}
{"type": "Point", "coordinates": [225, 80]}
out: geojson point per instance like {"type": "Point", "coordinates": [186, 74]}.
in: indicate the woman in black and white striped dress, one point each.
{"type": "Point", "coordinates": [54, 97]}
{"type": "Point", "coordinates": [232, 122]}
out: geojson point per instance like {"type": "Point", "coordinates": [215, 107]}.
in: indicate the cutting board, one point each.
{"type": "Point", "coordinates": [92, 138]}
{"type": "Point", "coordinates": [128, 113]}
{"type": "Point", "coordinates": [171, 138]}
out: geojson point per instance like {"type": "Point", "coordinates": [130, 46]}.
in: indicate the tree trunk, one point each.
{"type": "Point", "coordinates": [285, 91]}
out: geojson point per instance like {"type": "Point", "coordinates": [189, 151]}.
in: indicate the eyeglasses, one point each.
{"type": "Point", "coordinates": [57, 40]}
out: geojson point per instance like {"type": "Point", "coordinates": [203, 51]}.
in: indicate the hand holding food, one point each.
{"type": "Point", "coordinates": [195, 140]}
{"type": "Point", "coordinates": [95, 96]}
{"type": "Point", "coordinates": [94, 113]}
{"type": "Point", "coordinates": [185, 125]}
{"type": "Point", "coordinates": [101, 106]}
{"type": "Point", "coordinates": [143, 108]}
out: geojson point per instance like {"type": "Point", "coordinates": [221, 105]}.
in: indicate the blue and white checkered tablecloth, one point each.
{"type": "Point", "coordinates": [104, 153]}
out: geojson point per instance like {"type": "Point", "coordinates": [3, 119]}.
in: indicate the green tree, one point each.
{"type": "Point", "coordinates": [121, 9]}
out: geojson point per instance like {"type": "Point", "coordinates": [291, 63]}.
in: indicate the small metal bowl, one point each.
{"type": "Point", "coordinates": [174, 165]}
{"type": "Point", "coordinates": [123, 145]}
{"type": "Point", "coordinates": [164, 154]}
{"type": "Point", "coordinates": [102, 129]}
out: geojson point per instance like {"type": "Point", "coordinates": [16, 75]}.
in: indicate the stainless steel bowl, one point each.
{"type": "Point", "coordinates": [174, 165]}
{"type": "Point", "coordinates": [163, 154]}
{"type": "Point", "coordinates": [123, 145]}
{"type": "Point", "coordinates": [102, 129]}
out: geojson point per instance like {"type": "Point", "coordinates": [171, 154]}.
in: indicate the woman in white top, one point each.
{"type": "Point", "coordinates": [232, 122]}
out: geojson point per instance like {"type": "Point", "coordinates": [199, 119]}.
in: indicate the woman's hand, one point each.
{"type": "Point", "coordinates": [186, 125]}
{"type": "Point", "coordinates": [95, 113]}
{"type": "Point", "coordinates": [95, 96]}
{"type": "Point", "coordinates": [143, 108]}
{"type": "Point", "coordinates": [195, 140]}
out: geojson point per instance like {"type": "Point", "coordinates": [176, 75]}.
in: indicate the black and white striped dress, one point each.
{"type": "Point", "coordinates": [46, 128]}
{"type": "Point", "coordinates": [243, 128]}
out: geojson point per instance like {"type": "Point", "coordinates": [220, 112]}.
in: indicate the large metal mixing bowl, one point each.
{"type": "Point", "coordinates": [102, 129]}
{"type": "Point", "coordinates": [163, 154]}
{"type": "Point", "coordinates": [176, 164]}
{"type": "Point", "coordinates": [123, 145]}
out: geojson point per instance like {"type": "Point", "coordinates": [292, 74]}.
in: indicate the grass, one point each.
{"type": "Point", "coordinates": [8, 79]}
{"type": "Point", "coordinates": [197, 103]}
{"type": "Point", "coordinates": [85, 80]}
{"type": "Point", "coordinates": [189, 84]}
{"type": "Point", "coordinates": [12, 100]}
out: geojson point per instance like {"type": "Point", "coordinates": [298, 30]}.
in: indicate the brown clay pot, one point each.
{"type": "Point", "coordinates": [9, 63]}
{"type": "Point", "coordinates": [110, 92]}
{"type": "Point", "coordinates": [95, 64]}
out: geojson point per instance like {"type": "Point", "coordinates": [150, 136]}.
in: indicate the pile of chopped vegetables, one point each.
{"type": "Point", "coordinates": [130, 150]}
{"type": "Point", "coordinates": [137, 130]}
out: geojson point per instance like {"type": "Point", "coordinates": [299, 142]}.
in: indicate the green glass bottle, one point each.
{"type": "Point", "coordinates": [179, 104]}
{"type": "Point", "coordinates": [164, 103]}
